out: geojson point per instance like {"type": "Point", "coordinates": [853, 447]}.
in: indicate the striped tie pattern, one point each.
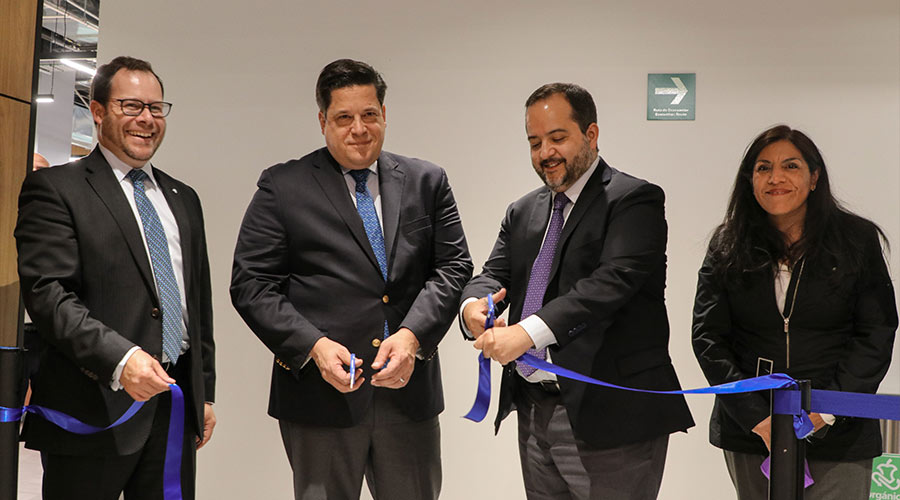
{"type": "Point", "coordinates": [169, 296]}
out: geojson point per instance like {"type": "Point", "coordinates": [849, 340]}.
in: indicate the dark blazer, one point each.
{"type": "Point", "coordinates": [604, 303]}
{"type": "Point", "coordinates": [88, 286]}
{"type": "Point", "coordinates": [304, 269]}
{"type": "Point", "coordinates": [841, 335]}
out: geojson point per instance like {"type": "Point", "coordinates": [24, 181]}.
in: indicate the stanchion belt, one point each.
{"type": "Point", "coordinates": [785, 402]}
{"type": "Point", "coordinates": [172, 467]}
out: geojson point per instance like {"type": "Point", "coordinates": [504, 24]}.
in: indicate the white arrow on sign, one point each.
{"type": "Point", "coordinates": [679, 90]}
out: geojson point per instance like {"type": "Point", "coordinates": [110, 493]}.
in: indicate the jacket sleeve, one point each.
{"type": "Point", "coordinates": [50, 271]}
{"type": "Point", "coordinates": [207, 344]}
{"type": "Point", "coordinates": [259, 274]}
{"type": "Point", "coordinates": [434, 307]}
{"type": "Point", "coordinates": [868, 352]}
{"type": "Point", "coordinates": [710, 334]}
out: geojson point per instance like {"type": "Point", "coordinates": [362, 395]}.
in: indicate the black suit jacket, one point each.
{"type": "Point", "coordinates": [88, 286]}
{"type": "Point", "coordinates": [304, 268]}
{"type": "Point", "coordinates": [604, 303]}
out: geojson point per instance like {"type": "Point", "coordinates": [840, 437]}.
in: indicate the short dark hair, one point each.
{"type": "Point", "coordinates": [747, 241]}
{"type": "Point", "coordinates": [102, 81]}
{"type": "Point", "coordinates": [347, 73]}
{"type": "Point", "coordinates": [584, 111]}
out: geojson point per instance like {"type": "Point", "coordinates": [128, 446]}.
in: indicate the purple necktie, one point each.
{"type": "Point", "coordinates": [540, 274]}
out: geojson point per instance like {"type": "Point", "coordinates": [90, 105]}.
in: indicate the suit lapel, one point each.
{"type": "Point", "coordinates": [390, 184]}
{"type": "Point", "coordinates": [328, 175]}
{"type": "Point", "coordinates": [592, 189]}
{"type": "Point", "coordinates": [176, 204]}
{"type": "Point", "coordinates": [100, 177]}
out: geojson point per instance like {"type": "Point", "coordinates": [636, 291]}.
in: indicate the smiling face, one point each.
{"type": "Point", "coordinates": [133, 139]}
{"type": "Point", "coordinates": [560, 152]}
{"type": "Point", "coordinates": [782, 182]}
{"type": "Point", "coordinates": [353, 126]}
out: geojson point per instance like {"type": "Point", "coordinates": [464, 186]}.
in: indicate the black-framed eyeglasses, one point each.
{"type": "Point", "coordinates": [134, 107]}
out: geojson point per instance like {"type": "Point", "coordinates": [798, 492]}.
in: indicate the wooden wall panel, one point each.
{"type": "Point", "coordinates": [17, 23]}
{"type": "Point", "coordinates": [18, 19]}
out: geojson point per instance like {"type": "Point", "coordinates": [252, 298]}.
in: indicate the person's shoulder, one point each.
{"type": "Point", "coordinates": [414, 165]}
{"type": "Point", "coordinates": [318, 157]}
{"type": "Point", "coordinates": [858, 227]}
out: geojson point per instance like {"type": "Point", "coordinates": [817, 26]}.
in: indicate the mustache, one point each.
{"type": "Point", "coordinates": [556, 159]}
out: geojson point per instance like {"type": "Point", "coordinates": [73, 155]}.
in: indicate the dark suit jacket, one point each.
{"type": "Point", "coordinates": [88, 286]}
{"type": "Point", "coordinates": [304, 268]}
{"type": "Point", "coordinates": [842, 331]}
{"type": "Point", "coordinates": [604, 303]}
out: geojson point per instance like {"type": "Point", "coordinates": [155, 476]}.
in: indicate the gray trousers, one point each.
{"type": "Point", "coordinates": [833, 480]}
{"type": "Point", "coordinates": [556, 465]}
{"type": "Point", "coordinates": [400, 458]}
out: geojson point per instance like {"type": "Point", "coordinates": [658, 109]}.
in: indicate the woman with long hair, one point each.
{"type": "Point", "coordinates": [794, 283]}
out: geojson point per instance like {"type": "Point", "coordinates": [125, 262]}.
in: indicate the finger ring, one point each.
{"type": "Point", "coordinates": [402, 381]}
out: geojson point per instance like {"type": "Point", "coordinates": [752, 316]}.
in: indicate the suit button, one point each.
{"type": "Point", "coordinates": [154, 313]}
{"type": "Point", "coordinates": [385, 299]}
{"type": "Point", "coordinates": [376, 342]}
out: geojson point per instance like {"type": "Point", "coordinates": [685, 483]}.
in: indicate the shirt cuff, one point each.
{"type": "Point", "coordinates": [828, 418]}
{"type": "Point", "coordinates": [462, 321]}
{"type": "Point", "coordinates": [115, 384]}
{"type": "Point", "coordinates": [540, 333]}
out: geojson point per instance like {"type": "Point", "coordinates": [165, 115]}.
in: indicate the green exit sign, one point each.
{"type": "Point", "coordinates": [671, 96]}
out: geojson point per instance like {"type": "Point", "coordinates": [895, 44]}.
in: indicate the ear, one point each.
{"type": "Point", "coordinates": [98, 111]}
{"type": "Point", "coordinates": [813, 180]}
{"type": "Point", "coordinates": [384, 114]}
{"type": "Point", "coordinates": [593, 132]}
{"type": "Point", "coordinates": [322, 121]}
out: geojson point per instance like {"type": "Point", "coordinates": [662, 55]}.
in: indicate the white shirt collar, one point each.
{"type": "Point", "coordinates": [120, 168]}
{"type": "Point", "coordinates": [575, 189]}
{"type": "Point", "coordinates": [372, 168]}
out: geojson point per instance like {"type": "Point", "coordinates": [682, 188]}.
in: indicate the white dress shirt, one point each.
{"type": "Point", "coordinates": [170, 227]}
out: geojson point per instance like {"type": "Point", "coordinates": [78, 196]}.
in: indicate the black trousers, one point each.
{"type": "Point", "coordinates": [140, 475]}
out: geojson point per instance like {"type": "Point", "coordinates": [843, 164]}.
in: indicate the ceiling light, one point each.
{"type": "Point", "coordinates": [80, 67]}
{"type": "Point", "coordinates": [44, 98]}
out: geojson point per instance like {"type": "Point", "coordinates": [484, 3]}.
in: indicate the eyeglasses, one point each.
{"type": "Point", "coordinates": [134, 107]}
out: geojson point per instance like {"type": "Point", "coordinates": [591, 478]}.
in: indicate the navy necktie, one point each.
{"type": "Point", "coordinates": [365, 205]}
{"type": "Point", "coordinates": [540, 273]}
{"type": "Point", "coordinates": [169, 296]}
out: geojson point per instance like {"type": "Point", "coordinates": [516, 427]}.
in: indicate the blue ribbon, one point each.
{"type": "Point", "coordinates": [172, 466]}
{"type": "Point", "coordinates": [785, 402]}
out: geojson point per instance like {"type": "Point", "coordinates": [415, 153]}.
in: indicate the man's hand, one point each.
{"type": "Point", "coordinates": [331, 357]}
{"type": "Point", "coordinates": [764, 431]}
{"type": "Point", "coordinates": [504, 344]}
{"type": "Point", "coordinates": [209, 422]}
{"type": "Point", "coordinates": [475, 313]}
{"type": "Point", "coordinates": [817, 420]}
{"type": "Point", "coordinates": [399, 352]}
{"type": "Point", "coordinates": [143, 377]}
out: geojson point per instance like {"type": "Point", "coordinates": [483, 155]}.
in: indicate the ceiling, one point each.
{"type": "Point", "coordinates": [70, 30]}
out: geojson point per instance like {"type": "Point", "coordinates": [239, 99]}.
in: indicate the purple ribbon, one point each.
{"type": "Point", "coordinates": [172, 467]}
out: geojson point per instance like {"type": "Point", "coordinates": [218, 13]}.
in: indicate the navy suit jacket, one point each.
{"type": "Point", "coordinates": [304, 269]}
{"type": "Point", "coordinates": [89, 288]}
{"type": "Point", "coordinates": [605, 304]}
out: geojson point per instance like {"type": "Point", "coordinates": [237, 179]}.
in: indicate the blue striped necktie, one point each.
{"type": "Point", "coordinates": [169, 296]}
{"type": "Point", "coordinates": [365, 205]}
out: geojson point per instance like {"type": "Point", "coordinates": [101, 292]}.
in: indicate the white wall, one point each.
{"type": "Point", "coordinates": [242, 77]}
{"type": "Point", "coordinates": [54, 119]}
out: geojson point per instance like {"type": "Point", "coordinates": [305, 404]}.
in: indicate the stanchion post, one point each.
{"type": "Point", "coordinates": [11, 396]}
{"type": "Point", "coordinates": [786, 474]}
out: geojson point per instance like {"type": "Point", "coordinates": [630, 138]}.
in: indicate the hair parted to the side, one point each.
{"type": "Point", "coordinates": [102, 81]}
{"type": "Point", "coordinates": [347, 73]}
{"type": "Point", "coordinates": [584, 112]}
{"type": "Point", "coordinates": [746, 240]}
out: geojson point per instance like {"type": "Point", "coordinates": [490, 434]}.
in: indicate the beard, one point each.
{"type": "Point", "coordinates": [573, 169]}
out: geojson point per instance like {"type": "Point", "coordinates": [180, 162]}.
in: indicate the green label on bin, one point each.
{"type": "Point", "coordinates": [885, 478]}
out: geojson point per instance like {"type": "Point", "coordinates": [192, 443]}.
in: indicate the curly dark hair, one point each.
{"type": "Point", "coordinates": [746, 240]}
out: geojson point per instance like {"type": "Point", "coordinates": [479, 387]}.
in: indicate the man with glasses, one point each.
{"type": "Point", "coordinates": [115, 275]}
{"type": "Point", "coordinates": [352, 251]}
